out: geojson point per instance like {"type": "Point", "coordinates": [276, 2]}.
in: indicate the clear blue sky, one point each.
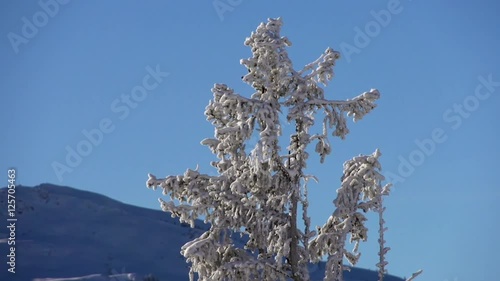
{"type": "Point", "coordinates": [68, 75]}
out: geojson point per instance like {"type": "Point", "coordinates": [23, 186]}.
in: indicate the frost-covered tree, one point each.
{"type": "Point", "coordinates": [262, 193]}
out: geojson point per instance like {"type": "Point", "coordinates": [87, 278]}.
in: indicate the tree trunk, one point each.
{"type": "Point", "coordinates": [294, 244]}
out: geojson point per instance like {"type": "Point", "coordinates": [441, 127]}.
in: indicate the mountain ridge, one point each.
{"type": "Point", "coordinates": [64, 232]}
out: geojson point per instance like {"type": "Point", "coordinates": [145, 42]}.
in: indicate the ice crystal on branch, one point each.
{"type": "Point", "coordinates": [256, 193]}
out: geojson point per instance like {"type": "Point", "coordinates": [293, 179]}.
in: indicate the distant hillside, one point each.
{"type": "Point", "coordinates": [64, 232]}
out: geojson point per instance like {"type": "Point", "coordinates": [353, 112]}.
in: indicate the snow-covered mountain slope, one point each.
{"type": "Point", "coordinates": [62, 232]}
